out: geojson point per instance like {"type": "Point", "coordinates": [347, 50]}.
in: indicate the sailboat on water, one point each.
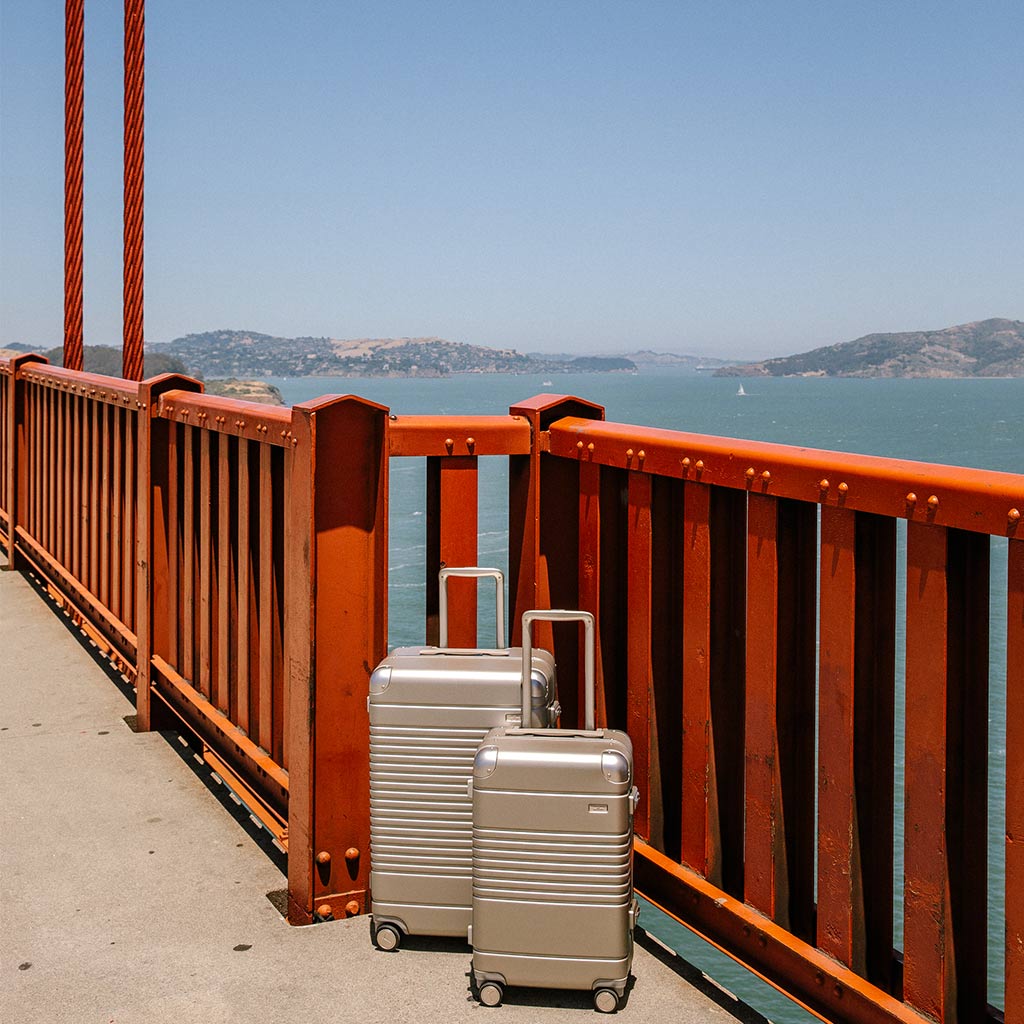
{"type": "Point", "coordinates": [741, 392]}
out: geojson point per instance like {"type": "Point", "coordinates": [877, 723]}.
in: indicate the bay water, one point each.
{"type": "Point", "coordinates": [965, 422]}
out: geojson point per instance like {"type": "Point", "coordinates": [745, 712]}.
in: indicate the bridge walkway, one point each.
{"type": "Point", "coordinates": [134, 889]}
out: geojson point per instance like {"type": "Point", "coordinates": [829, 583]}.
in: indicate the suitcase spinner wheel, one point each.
{"type": "Point", "coordinates": [491, 993]}
{"type": "Point", "coordinates": [387, 937]}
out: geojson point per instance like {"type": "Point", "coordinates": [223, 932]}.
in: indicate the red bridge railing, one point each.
{"type": "Point", "coordinates": [232, 560]}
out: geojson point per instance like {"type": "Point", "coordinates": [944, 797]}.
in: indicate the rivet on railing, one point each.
{"type": "Point", "coordinates": [470, 443]}
{"type": "Point", "coordinates": [241, 423]}
{"type": "Point", "coordinates": [911, 498]}
{"type": "Point", "coordinates": [629, 453]}
{"type": "Point", "coordinates": [844, 487]}
{"type": "Point", "coordinates": [324, 910]}
{"type": "Point", "coordinates": [1013, 515]}
{"type": "Point", "coordinates": [579, 445]}
{"type": "Point", "coordinates": [641, 455]}
{"type": "Point", "coordinates": [352, 854]}
{"type": "Point", "coordinates": [284, 433]}
{"type": "Point", "coordinates": [766, 476]}
{"type": "Point", "coordinates": [449, 443]}
{"type": "Point", "coordinates": [823, 484]}
{"type": "Point", "coordinates": [323, 857]}
{"type": "Point", "coordinates": [751, 473]}
{"type": "Point", "coordinates": [685, 463]}
{"type": "Point", "coordinates": [700, 466]}
{"type": "Point", "coordinates": [590, 447]}
{"type": "Point", "coordinates": [933, 502]}
{"type": "Point", "coordinates": [352, 908]}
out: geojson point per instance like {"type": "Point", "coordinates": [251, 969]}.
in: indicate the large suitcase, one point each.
{"type": "Point", "coordinates": [429, 709]}
{"type": "Point", "coordinates": [553, 903]}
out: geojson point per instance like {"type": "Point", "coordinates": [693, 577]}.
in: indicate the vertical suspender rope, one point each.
{"type": "Point", "coordinates": [74, 50]}
{"type": "Point", "coordinates": [134, 77]}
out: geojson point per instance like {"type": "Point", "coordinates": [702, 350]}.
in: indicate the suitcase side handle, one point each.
{"type": "Point", "coordinates": [560, 615]}
{"type": "Point", "coordinates": [472, 572]}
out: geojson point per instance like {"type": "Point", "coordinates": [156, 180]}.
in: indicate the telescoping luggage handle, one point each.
{"type": "Point", "coordinates": [472, 572]}
{"type": "Point", "coordinates": [560, 615]}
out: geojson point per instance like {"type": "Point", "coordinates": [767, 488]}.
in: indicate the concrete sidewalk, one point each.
{"type": "Point", "coordinates": [134, 890]}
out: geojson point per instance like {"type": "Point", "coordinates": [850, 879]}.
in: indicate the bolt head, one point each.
{"type": "Point", "coordinates": [843, 488]}
{"type": "Point", "coordinates": [911, 498]}
{"type": "Point", "coordinates": [352, 908]}
{"type": "Point", "coordinates": [324, 910]}
{"type": "Point", "coordinates": [323, 857]}
{"type": "Point", "coordinates": [352, 853]}
{"type": "Point", "coordinates": [1013, 515]}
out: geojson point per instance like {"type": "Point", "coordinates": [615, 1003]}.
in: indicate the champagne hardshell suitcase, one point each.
{"type": "Point", "coordinates": [553, 903]}
{"type": "Point", "coordinates": [429, 709]}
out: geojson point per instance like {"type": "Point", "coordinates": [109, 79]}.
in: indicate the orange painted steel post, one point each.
{"type": "Point", "coordinates": [17, 455]}
{"type": "Point", "coordinates": [589, 586]}
{"type": "Point", "coordinates": [945, 862]}
{"type": "Point", "coordinates": [544, 548]}
{"type": "Point", "coordinates": [699, 838]}
{"type": "Point", "coordinates": [452, 498]}
{"type": "Point", "coordinates": [639, 702]}
{"type": "Point", "coordinates": [154, 520]}
{"type": "Point", "coordinates": [336, 560]}
{"type": "Point", "coordinates": [1014, 969]}
{"type": "Point", "coordinates": [855, 728]}
{"type": "Point", "coordinates": [134, 99]}
{"type": "Point", "coordinates": [74, 93]}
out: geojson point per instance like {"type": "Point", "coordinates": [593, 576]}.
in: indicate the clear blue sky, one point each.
{"type": "Point", "coordinates": [741, 178]}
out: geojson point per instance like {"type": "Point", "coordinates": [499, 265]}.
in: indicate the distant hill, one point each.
{"type": "Point", "coordinates": [986, 348]}
{"type": "Point", "coordinates": [647, 360]}
{"type": "Point", "coordinates": [246, 354]}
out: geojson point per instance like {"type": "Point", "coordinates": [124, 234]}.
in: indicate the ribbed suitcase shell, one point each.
{"type": "Point", "coordinates": [553, 902]}
{"type": "Point", "coordinates": [429, 709]}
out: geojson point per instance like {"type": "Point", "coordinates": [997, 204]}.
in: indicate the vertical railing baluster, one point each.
{"type": "Point", "coordinates": [116, 508]}
{"type": "Point", "coordinates": [700, 842]}
{"type": "Point", "coordinates": [95, 473]}
{"type": "Point", "coordinates": [188, 622]}
{"type": "Point", "coordinates": [266, 603]}
{"type": "Point", "coordinates": [946, 774]}
{"type": "Point", "coordinates": [130, 517]}
{"type": "Point", "coordinates": [452, 540]}
{"type": "Point", "coordinates": [105, 429]}
{"type": "Point", "coordinates": [244, 586]}
{"type": "Point", "coordinates": [173, 529]}
{"type": "Point", "coordinates": [224, 632]}
{"type": "Point", "coordinates": [589, 582]}
{"type": "Point", "coordinates": [638, 619]}
{"type": "Point", "coordinates": [205, 557]}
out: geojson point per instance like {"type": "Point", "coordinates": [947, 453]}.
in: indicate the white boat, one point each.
{"type": "Point", "coordinates": [741, 391]}
{"type": "Point", "coordinates": [545, 383]}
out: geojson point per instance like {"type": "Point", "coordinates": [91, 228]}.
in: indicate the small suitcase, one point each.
{"type": "Point", "coordinates": [429, 709]}
{"type": "Point", "coordinates": [553, 903]}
